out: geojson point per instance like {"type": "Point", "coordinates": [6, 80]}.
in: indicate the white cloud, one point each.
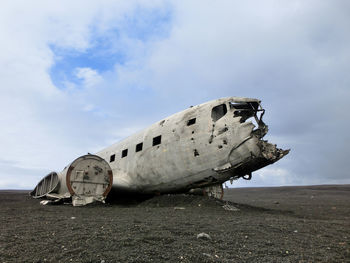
{"type": "Point", "coordinates": [292, 55]}
{"type": "Point", "coordinates": [89, 76]}
{"type": "Point", "coordinates": [43, 127]}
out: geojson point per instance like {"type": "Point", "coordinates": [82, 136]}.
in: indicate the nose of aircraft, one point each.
{"type": "Point", "coordinates": [252, 155]}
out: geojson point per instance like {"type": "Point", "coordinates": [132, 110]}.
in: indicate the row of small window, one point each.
{"type": "Point", "coordinates": [156, 140]}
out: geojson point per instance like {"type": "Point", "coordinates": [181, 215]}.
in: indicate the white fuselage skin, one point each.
{"type": "Point", "coordinates": [188, 152]}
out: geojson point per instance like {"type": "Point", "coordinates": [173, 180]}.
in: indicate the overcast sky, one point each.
{"type": "Point", "coordinates": [77, 76]}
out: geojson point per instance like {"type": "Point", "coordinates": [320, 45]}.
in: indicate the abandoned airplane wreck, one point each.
{"type": "Point", "coordinates": [199, 148]}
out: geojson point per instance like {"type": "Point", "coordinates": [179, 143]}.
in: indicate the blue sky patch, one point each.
{"type": "Point", "coordinates": [110, 48]}
{"type": "Point", "coordinates": [68, 60]}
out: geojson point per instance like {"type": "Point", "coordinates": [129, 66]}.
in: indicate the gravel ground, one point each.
{"type": "Point", "coordinates": [283, 224]}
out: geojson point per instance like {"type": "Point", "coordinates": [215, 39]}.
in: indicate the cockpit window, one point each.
{"type": "Point", "coordinates": [244, 110]}
{"type": "Point", "coordinates": [218, 112]}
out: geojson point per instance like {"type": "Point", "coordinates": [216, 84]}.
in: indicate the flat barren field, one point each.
{"type": "Point", "coordinates": [281, 224]}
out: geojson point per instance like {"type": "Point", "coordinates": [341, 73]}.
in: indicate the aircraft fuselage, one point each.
{"type": "Point", "coordinates": [200, 146]}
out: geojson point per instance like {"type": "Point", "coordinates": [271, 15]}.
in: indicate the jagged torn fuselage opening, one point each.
{"type": "Point", "coordinates": [250, 153]}
{"type": "Point", "coordinates": [87, 179]}
{"type": "Point", "coordinates": [250, 111]}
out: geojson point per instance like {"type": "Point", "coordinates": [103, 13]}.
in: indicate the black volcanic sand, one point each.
{"type": "Point", "coordinates": [284, 224]}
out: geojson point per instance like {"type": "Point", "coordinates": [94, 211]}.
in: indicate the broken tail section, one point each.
{"type": "Point", "coordinates": [87, 179]}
